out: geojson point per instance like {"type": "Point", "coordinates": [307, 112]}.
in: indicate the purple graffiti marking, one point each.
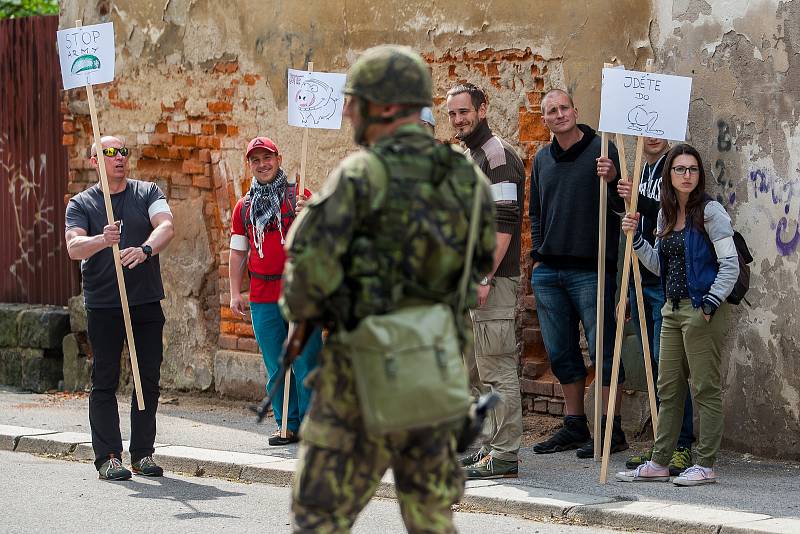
{"type": "Point", "coordinates": [789, 247]}
{"type": "Point", "coordinates": [780, 193]}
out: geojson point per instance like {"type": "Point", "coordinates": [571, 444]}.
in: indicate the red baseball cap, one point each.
{"type": "Point", "coordinates": [261, 142]}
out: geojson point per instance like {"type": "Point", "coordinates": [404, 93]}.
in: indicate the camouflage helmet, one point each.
{"type": "Point", "coordinates": [390, 74]}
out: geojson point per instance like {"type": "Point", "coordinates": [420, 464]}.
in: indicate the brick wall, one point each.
{"type": "Point", "coordinates": [515, 81]}
{"type": "Point", "coordinates": [187, 143]}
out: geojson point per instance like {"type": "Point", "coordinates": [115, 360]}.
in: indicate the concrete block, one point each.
{"type": "Point", "coordinates": [10, 435]}
{"type": "Point", "coordinates": [240, 375]}
{"type": "Point", "coordinates": [661, 516]}
{"type": "Point", "coordinates": [525, 501]}
{"type": "Point", "coordinates": [635, 412]}
{"type": "Point", "coordinates": [9, 336]}
{"type": "Point", "coordinates": [60, 443]}
{"type": "Point", "coordinates": [280, 473]}
{"type": "Point", "coordinates": [77, 314]}
{"type": "Point", "coordinates": [77, 367]}
{"type": "Point", "coordinates": [776, 525]}
{"type": "Point", "coordinates": [208, 462]}
{"type": "Point", "coordinates": [43, 328]}
{"type": "Point", "coordinates": [41, 369]}
{"type": "Point", "coordinates": [11, 366]}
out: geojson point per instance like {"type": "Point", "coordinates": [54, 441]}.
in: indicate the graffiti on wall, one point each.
{"type": "Point", "coordinates": [722, 175]}
{"type": "Point", "coordinates": [25, 198]}
{"type": "Point", "coordinates": [766, 187]}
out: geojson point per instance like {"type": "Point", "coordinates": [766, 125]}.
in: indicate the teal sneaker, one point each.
{"type": "Point", "coordinates": [489, 467]}
{"type": "Point", "coordinates": [112, 469]}
{"type": "Point", "coordinates": [147, 467]}
{"type": "Point", "coordinates": [681, 461]}
{"type": "Point", "coordinates": [638, 459]}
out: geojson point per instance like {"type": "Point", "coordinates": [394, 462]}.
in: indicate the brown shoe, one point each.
{"type": "Point", "coordinates": [276, 439]}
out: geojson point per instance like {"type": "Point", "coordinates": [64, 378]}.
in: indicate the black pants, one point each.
{"type": "Point", "coordinates": [106, 329]}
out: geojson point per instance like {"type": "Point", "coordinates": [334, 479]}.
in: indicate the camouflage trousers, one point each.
{"type": "Point", "coordinates": [341, 465]}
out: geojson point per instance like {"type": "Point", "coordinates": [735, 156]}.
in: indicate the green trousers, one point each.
{"type": "Point", "coordinates": [690, 348]}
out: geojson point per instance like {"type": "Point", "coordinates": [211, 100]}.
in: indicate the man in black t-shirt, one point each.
{"type": "Point", "coordinates": [143, 228]}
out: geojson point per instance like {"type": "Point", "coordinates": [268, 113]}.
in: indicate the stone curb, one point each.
{"type": "Point", "coordinates": [480, 496]}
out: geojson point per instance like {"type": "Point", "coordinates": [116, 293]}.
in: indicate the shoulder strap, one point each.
{"type": "Point", "coordinates": [243, 213]}
{"type": "Point", "coordinates": [291, 190]}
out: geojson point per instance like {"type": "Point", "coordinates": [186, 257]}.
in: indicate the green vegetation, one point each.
{"type": "Point", "coordinates": [10, 9]}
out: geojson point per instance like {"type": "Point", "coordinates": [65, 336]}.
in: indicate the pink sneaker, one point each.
{"type": "Point", "coordinates": [647, 472]}
{"type": "Point", "coordinates": [695, 476]}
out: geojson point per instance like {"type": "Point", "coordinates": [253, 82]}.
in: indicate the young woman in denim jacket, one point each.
{"type": "Point", "coordinates": [696, 258]}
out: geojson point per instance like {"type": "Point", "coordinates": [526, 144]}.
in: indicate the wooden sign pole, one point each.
{"type": "Point", "coordinates": [637, 282]}
{"type": "Point", "coordinates": [626, 272]}
{"type": "Point", "coordinates": [287, 381]}
{"type": "Point", "coordinates": [304, 148]}
{"type": "Point", "coordinates": [601, 301]}
{"type": "Point", "coordinates": [123, 294]}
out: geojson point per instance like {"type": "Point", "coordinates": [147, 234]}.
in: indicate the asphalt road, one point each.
{"type": "Point", "coordinates": [47, 495]}
{"type": "Point", "coordinates": [747, 483]}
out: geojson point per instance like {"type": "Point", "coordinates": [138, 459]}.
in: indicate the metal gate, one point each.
{"type": "Point", "coordinates": [34, 266]}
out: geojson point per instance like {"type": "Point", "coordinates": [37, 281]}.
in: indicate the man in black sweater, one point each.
{"type": "Point", "coordinates": [655, 153]}
{"type": "Point", "coordinates": [495, 360]}
{"type": "Point", "coordinates": [564, 209]}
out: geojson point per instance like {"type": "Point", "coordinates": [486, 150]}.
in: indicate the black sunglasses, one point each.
{"type": "Point", "coordinates": [111, 151]}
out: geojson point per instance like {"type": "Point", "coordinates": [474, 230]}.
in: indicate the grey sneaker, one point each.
{"type": "Point", "coordinates": [474, 458]}
{"type": "Point", "coordinates": [488, 468]}
{"type": "Point", "coordinates": [147, 467]}
{"type": "Point", "coordinates": [112, 469]}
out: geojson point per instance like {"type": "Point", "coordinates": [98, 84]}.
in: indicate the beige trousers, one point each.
{"type": "Point", "coordinates": [493, 366]}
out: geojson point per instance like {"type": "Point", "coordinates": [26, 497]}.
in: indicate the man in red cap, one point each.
{"type": "Point", "coordinates": [261, 221]}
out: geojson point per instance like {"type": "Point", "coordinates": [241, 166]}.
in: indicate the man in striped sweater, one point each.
{"type": "Point", "coordinates": [495, 350]}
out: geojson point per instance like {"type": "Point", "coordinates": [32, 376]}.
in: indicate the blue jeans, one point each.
{"type": "Point", "coordinates": [271, 330]}
{"type": "Point", "coordinates": [565, 298]}
{"type": "Point", "coordinates": [654, 300]}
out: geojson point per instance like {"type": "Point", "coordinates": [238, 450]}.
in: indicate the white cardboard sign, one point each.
{"type": "Point", "coordinates": [86, 54]}
{"type": "Point", "coordinates": [316, 99]}
{"type": "Point", "coordinates": [644, 103]}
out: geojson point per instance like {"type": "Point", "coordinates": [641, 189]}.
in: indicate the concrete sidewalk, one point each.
{"type": "Point", "coordinates": [553, 485]}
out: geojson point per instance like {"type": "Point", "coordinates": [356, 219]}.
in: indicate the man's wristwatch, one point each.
{"type": "Point", "coordinates": [148, 251]}
{"type": "Point", "coordinates": [486, 281]}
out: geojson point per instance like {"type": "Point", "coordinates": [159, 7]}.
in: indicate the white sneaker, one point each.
{"type": "Point", "coordinates": [695, 476]}
{"type": "Point", "coordinates": [647, 472]}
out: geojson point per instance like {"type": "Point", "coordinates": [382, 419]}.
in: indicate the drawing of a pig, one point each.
{"type": "Point", "coordinates": [315, 100]}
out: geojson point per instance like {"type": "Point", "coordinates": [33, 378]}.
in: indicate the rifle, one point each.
{"type": "Point", "coordinates": [299, 334]}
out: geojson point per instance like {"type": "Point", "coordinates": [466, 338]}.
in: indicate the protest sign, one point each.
{"type": "Point", "coordinates": [87, 58]}
{"type": "Point", "coordinates": [315, 99]}
{"type": "Point", "coordinates": [644, 103]}
{"type": "Point", "coordinates": [86, 54]}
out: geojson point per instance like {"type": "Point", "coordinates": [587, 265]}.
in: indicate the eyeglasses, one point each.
{"type": "Point", "coordinates": [681, 170]}
{"type": "Point", "coordinates": [111, 152]}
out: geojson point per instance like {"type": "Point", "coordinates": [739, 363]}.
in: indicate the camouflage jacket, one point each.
{"type": "Point", "coordinates": [387, 230]}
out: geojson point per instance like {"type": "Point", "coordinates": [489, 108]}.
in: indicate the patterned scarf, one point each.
{"type": "Point", "coordinates": [265, 204]}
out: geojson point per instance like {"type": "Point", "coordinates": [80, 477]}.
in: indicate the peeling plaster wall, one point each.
{"type": "Point", "coordinates": [181, 63]}
{"type": "Point", "coordinates": [744, 57]}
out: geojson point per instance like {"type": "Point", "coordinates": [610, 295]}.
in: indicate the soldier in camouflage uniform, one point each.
{"type": "Point", "coordinates": [384, 232]}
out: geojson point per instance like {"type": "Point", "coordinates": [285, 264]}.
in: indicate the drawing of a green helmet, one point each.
{"type": "Point", "coordinates": [85, 63]}
{"type": "Point", "coordinates": [390, 74]}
